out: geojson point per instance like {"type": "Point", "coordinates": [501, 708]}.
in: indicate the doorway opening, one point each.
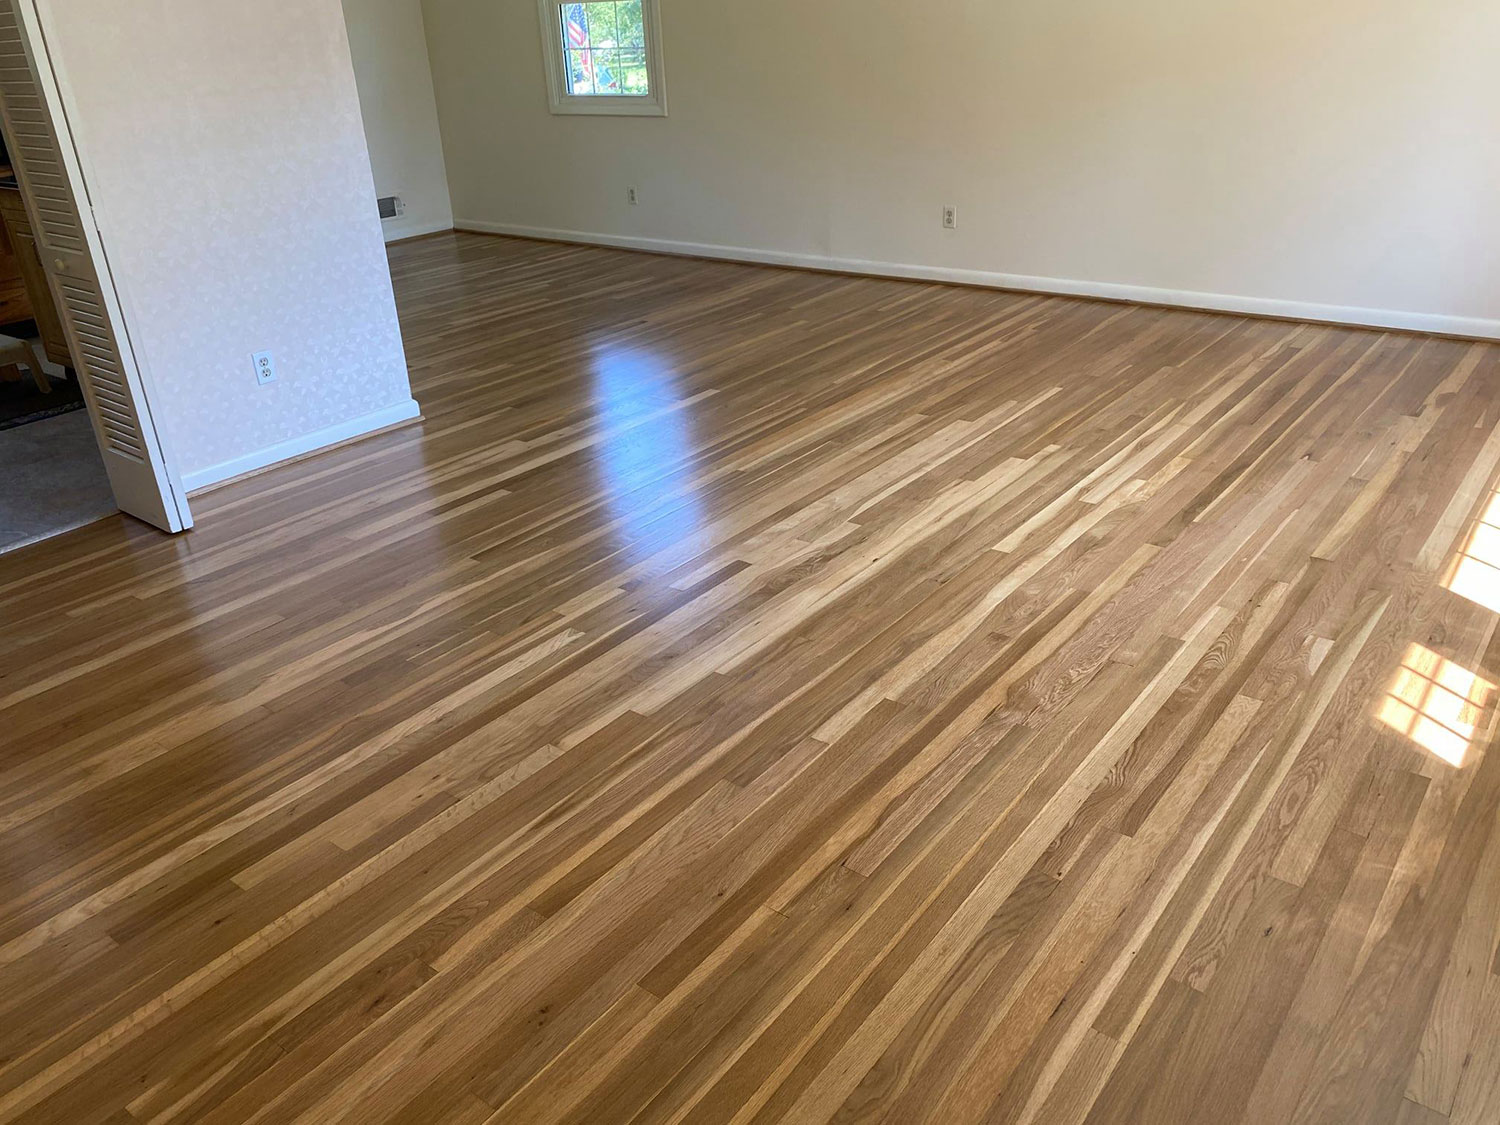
{"type": "Point", "coordinates": [64, 340]}
{"type": "Point", "coordinates": [52, 476]}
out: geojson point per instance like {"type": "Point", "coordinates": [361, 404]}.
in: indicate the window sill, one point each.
{"type": "Point", "coordinates": [608, 107]}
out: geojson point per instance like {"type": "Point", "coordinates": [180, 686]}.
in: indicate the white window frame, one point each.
{"type": "Point", "coordinates": [561, 101]}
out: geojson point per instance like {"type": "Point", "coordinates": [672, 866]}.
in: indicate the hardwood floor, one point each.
{"type": "Point", "coordinates": [763, 696]}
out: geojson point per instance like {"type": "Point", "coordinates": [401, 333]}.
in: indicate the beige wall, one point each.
{"type": "Point", "coordinates": [222, 146]}
{"type": "Point", "coordinates": [1317, 157]}
{"type": "Point", "coordinates": [389, 48]}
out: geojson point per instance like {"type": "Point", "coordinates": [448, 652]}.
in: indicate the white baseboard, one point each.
{"type": "Point", "coordinates": [1467, 327]}
{"type": "Point", "coordinates": [397, 229]}
{"type": "Point", "coordinates": [298, 446]}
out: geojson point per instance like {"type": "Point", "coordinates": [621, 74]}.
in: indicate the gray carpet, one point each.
{"type": "Point", "coordinates": [51, 480]}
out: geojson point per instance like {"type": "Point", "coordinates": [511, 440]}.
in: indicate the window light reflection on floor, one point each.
{"type": "Point", "coordinates": [1437, 704]}
{"type": "Point", "coordinates": [1477, 574]}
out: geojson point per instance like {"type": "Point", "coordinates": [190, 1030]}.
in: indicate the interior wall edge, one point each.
{"type": "Point", "coordinates": [312, 442]}
{"type": "Point", "coordinates": [1469, 328]}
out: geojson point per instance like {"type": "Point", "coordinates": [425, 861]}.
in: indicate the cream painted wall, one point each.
{"type": "Point", "coordinates": [389, 48]}
{"type": "Point", "coordinates": [1317, 157]}
{"type": "Point", "coordinates": [223, 149]}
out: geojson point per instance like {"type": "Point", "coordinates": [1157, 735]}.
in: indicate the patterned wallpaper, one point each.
{"type": "Point", "coordinates": [224, 151]}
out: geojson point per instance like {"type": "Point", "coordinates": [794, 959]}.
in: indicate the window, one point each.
{"type": "Point", "coordinates": [603, 56]}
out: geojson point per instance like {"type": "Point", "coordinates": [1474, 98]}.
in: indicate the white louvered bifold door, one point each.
{"type": "Point", "coordinates": [41, 153]}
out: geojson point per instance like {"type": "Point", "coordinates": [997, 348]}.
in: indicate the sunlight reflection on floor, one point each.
{"type": "Point", "coordinates": [1437, 704]}
{"type": "Point", "coordinates": [645, 457]}
{"type": "Point", "coordinates": [1477, 573]}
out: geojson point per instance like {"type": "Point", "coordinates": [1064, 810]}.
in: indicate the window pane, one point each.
{"type": "Point", "coordinates": [580, 72]}
{"type": "Point", "coordinates": [607, 72]}
{"type": "Point", "coordinates": [602, 28]}
{"type": "Point", "coordinates": [632, 29]}
{"type": "Point", "coordinates": [575, 26]}
{"type": "Point", "coordinates": [635, 79]}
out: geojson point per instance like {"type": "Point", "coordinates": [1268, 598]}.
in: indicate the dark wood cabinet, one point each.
{"type": "Point", "coordinates": [15, 302]}
{"type": "Point", "coordinates": [24, 291]}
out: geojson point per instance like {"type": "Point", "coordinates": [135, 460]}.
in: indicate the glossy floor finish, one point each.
{"type": "Point", "coordinates": [763, 696]}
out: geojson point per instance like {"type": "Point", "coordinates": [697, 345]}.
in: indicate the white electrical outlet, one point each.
{"type": "Point", "coordinates": [950, 217]}
{"type": "Point", "coordinates": [265, 367]}
{"type": "Point", "coordinates": [630, 194]}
